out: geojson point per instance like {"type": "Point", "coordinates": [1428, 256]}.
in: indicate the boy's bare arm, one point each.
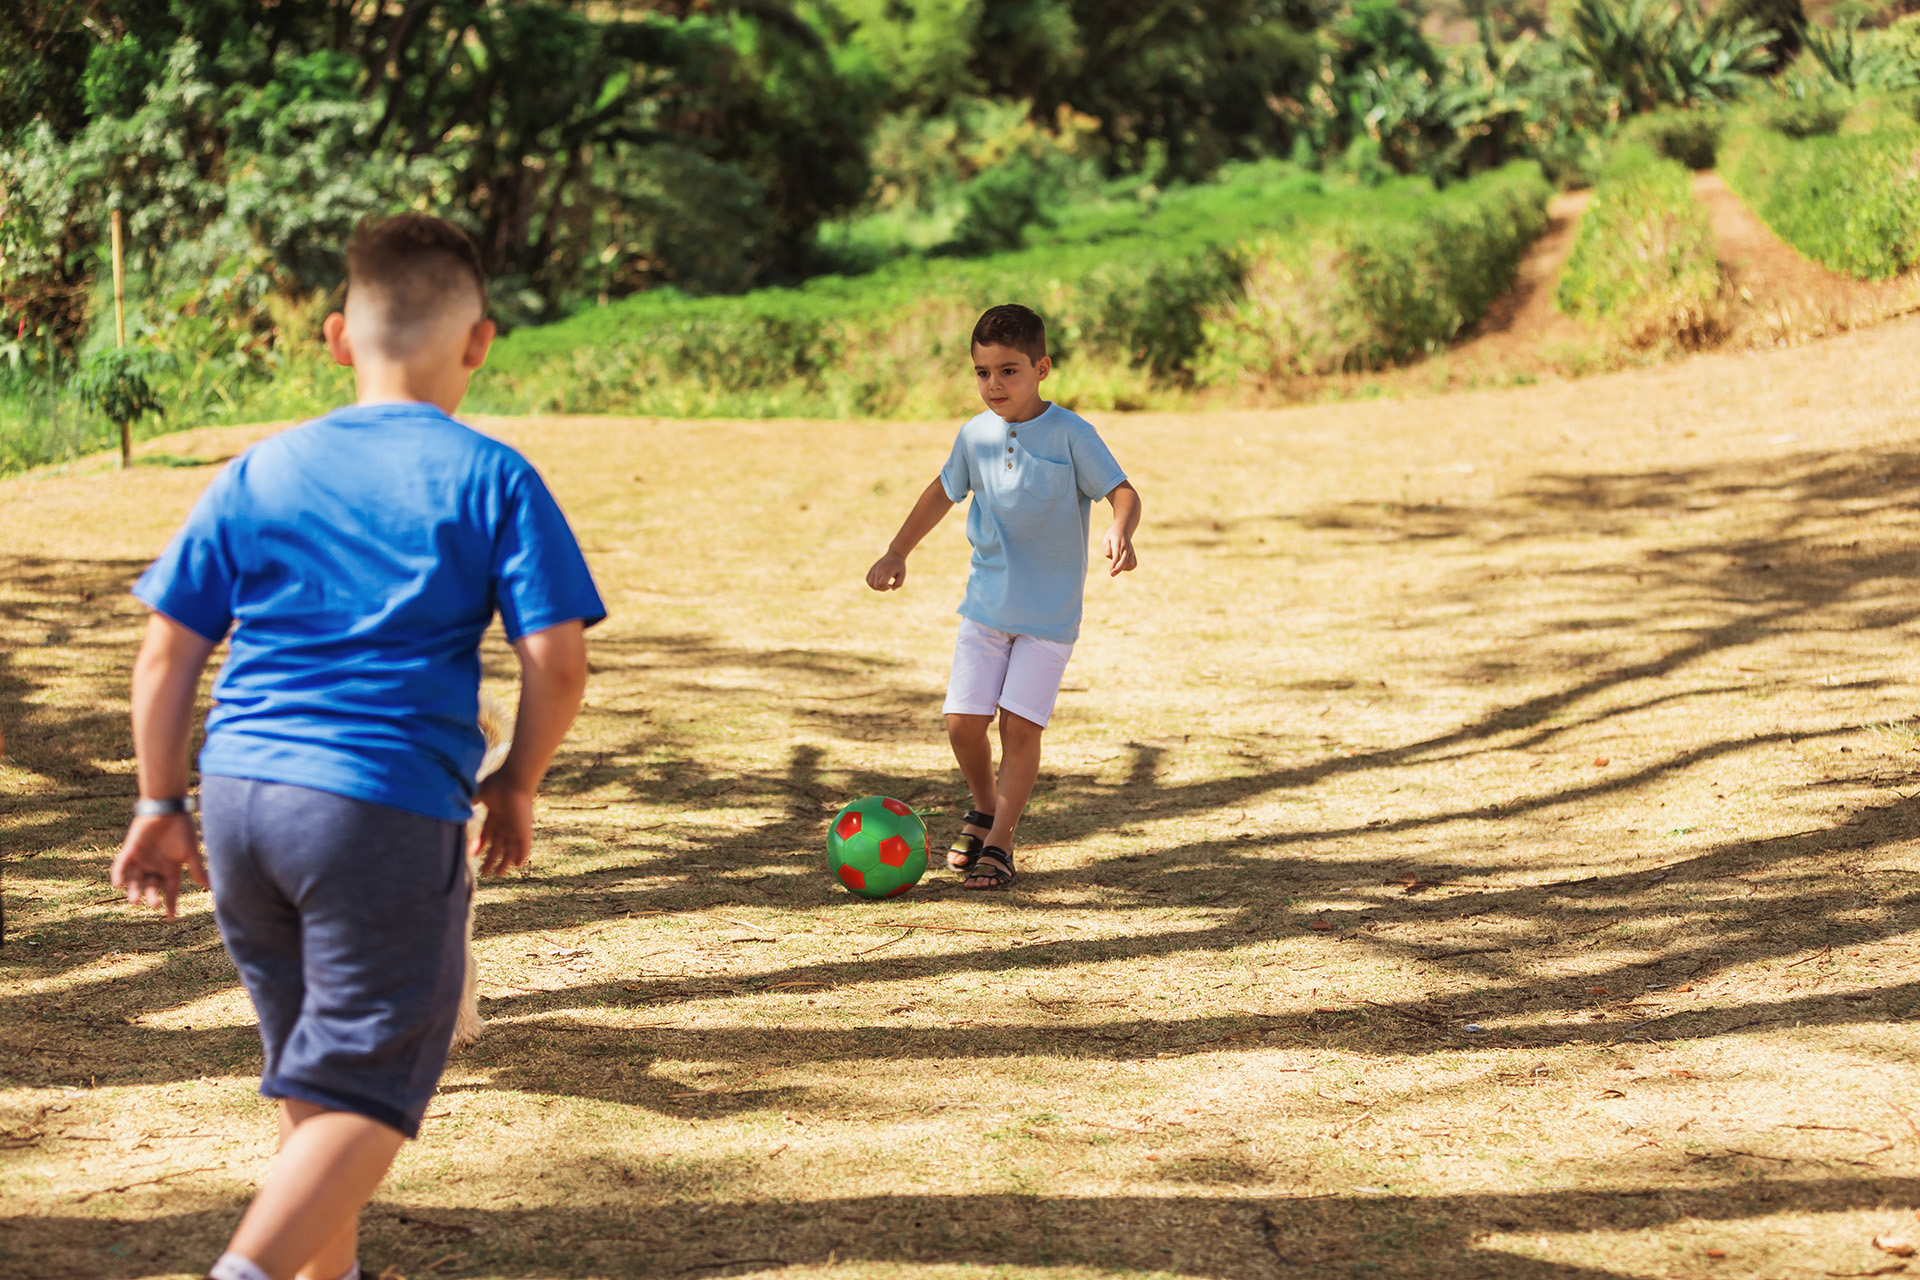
{"type": "Point", "coordinates": [890, 570]}
{"type": "Point", "coordinates": [553, 676]}
{"type": "Point", "coordinates": [166, 678]}
{"type": "Point", "coordinates": [1118, 544]}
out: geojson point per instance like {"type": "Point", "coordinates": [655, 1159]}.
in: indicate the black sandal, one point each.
{"type": "Point", "coordinates": [966, 848]}
{"type": "Point", "coordinates": [994, 865]}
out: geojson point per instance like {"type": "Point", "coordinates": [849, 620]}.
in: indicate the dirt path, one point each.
{"type": "Point", "coordinates": [1528, 322]}
{"type": "Point", "coordinates": [1776, 296]}
{"type": "Point", "coordinates": [1478, 843]}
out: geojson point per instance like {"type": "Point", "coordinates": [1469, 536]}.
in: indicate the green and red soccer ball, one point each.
{"type": "Point", "coordinates": [877, 847]}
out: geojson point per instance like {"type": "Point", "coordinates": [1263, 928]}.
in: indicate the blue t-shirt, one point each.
{"type": "Point", "coordinates": [1033, 486]}
{"type": "Point", "coordinates": [357, 560]}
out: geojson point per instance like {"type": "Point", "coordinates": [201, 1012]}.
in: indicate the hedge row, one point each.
{"type": "Point", "coordinates": [1643, 258]}
{"type": "Point", "coordinates": [1381, 287]}
{"type": "Point", "coordinates": [1269, 272]}
{"type": "Point", "coordinates": [1851, 201]}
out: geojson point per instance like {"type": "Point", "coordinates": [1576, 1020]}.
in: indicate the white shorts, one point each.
{"type": "Point", "coordinates": [994, 669]}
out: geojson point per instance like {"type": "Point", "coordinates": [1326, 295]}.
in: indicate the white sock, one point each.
{"type": "Point", "coordinates": [351, 1273]}
{"type": "Point", "coordinates": [234, 1267]}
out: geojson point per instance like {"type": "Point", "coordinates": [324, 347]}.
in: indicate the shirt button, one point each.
{"type": "Point", "coordinates": [1013, 433]}
{"type": "Point", "coordinates": [1009, 448]}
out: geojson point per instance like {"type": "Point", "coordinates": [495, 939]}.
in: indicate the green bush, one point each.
{"type": "Point", "coordinates": [1385, 285]}
{"type": "Point", "coordinates": [1690, 137]}
{"type": "Point", "coordinates": [999, 205]}
{"type": "Point", "coordinates": [1643, 258]}
{"type": "Point", "coordinates": [1809, 117]}
{"type": "Point", "coordinates": [1137, 307]}
{"type": "Point", "coordinates": [1850, 202]}
{"type": "Point", "coordinates": [1897, 112]}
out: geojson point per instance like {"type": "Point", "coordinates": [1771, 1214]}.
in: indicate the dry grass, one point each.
{"type": "Point", "coordinates": [1473, 845]}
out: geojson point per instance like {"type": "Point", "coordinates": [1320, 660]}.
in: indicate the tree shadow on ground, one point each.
{"type": "Point", "coordinates": [1801, 572]}
{"type": "Point", "coordinates": [612, 1228]}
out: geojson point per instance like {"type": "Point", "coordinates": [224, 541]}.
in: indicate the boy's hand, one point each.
{"type": "Point", "coordinates": [1117, 546]}
{"type": "Point", "coordinates": [888, 572]}
{"type": "Point", "coordinates": [156, 850]}
{"type": "Point", "coordinates": [506, 837]}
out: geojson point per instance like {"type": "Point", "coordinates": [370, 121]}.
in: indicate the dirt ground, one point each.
{"type": "Point", "coordinates": [1477, 843]}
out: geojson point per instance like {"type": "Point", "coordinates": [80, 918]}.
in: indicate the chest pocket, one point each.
{"type": "Point", "coordinates": [1040, 479]}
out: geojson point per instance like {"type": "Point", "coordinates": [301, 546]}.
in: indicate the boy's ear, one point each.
{"type": "Point", "coordinates": [1043, 366]}
{"type": "Point", "coordinates": [479, 339]}
{"type": "Point", "coordinates": [334, 330]}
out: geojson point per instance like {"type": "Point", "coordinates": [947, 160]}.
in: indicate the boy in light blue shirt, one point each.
{"type": "Point", "coordinates": [1034, 471]}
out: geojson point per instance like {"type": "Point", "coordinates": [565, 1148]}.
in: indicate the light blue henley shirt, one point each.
{"type": "Point", "coordinates": [1033, 485]}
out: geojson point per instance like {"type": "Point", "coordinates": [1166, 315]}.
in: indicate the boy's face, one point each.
{"type": "Point", "coordinates": [1009, 381]}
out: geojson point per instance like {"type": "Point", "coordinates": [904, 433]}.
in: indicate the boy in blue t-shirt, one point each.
{"type": "Point", "coordinates": [353, 564]}
{"type": "Point", "coordinates": [1034, 470]}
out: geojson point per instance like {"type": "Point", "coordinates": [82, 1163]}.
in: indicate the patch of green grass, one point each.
{"type": "Point", "coordinates": [1850, 202]}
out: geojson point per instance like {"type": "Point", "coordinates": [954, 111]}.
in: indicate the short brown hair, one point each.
{"type": "Point", "coordinates": [416, 260]}
{"type": "Point", "coordinates": [1012, 325]}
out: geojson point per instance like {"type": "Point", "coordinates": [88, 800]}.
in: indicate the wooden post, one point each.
{"type": "Point", "coordinates": [120, 328]}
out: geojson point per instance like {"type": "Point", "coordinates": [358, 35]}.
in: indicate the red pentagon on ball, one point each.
{"type": "Point", "coordinates": [897, 891]}
{"type": "Point", "coordinates": [894, 851]}
{"type": "Point", "coordinates": [896, 806]}
{"type": "Point", "coordinates": [849, 827]}
{"type": "Point", "coordinates": [852, 876]}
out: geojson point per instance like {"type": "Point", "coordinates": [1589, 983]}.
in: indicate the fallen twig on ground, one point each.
{"type": "Point", "coordinates": [145, 1182]}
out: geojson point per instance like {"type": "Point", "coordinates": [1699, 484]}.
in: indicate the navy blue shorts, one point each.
{"type": "Point", "coordinates": [347, 921]}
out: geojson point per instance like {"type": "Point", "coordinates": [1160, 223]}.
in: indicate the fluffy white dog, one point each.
{"type": "Point", "coordinates": [499, 734]}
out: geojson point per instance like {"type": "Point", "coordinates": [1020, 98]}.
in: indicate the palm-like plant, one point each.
{"type": "Point", "coordinates": [1666, 52]}
{"type": "Point", "coordinates": [1855, 62]}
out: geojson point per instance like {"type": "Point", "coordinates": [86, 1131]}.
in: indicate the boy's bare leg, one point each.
{"type": "Point", "coordinates": [1019, 770]}
{"type": "Point", "coordinates": [974, 752]}
{"type": "Point", "coordinates": [342, 1249]}
{"type": "Point", "coordinates": [305, 1219]}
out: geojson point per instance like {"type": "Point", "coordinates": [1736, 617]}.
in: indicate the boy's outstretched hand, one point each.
{"type": "Point", "coordinates": [505, 838]}
{"type": "Point", "coordinates": [151, 859]}
{"type": "Point", "coordinates": [1117, 546]}
{"type": "Point", "coordinates": [553, 676]}
{"type": "Point", "coordinates": [888, 572]}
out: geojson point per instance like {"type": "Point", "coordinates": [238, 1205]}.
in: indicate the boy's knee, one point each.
{"type": "Point", "coordinates": [1017, 728]}
{"type": "Point", "coordinates": [967, 727]}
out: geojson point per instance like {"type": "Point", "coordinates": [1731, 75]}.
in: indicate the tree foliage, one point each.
{"type": "Point", "coordinates": [597, 148]}
{"type": "Point", "coordinates": [1182, 86]}
{"type": "Point", "coordinates": [587, 150]}
{"type": "Point", "coordinates": [118, 381]}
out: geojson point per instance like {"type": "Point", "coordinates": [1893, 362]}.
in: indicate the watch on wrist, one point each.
{"type": "Point", "coordinates": [165, 808]}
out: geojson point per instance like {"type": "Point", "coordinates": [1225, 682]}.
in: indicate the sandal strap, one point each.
{"type": "Point", "coordinates": [967, 846]}
{"type": "Point", "coordinates": [975, 818]}
{"type": "Point", "coordinates": [994, 863]}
